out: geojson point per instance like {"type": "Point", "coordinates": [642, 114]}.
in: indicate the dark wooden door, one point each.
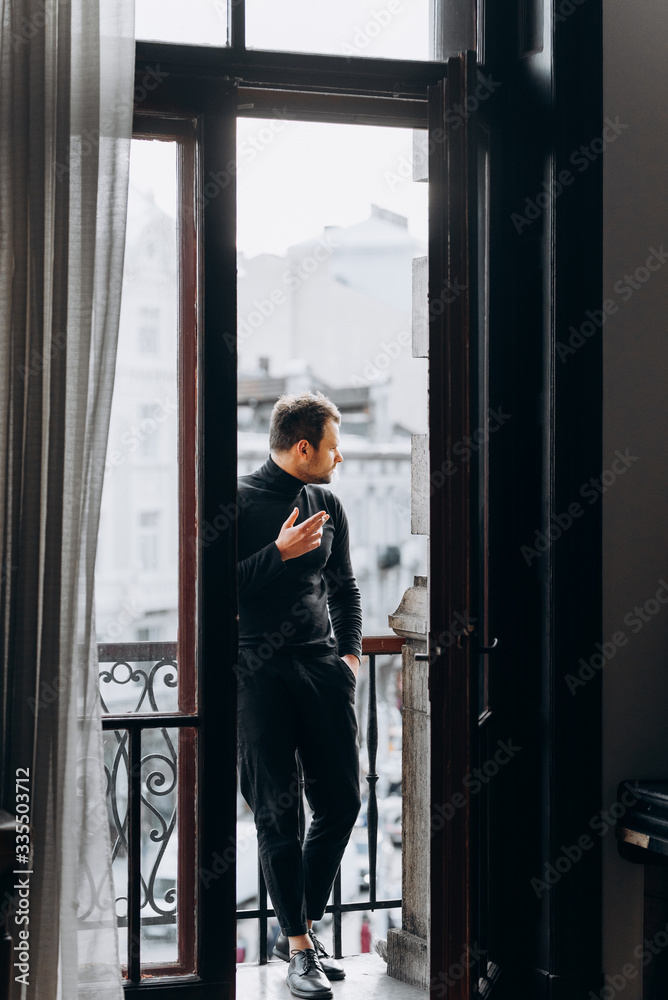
{"type": "Point", "coordinates": [216, 208]}
{"type": "Point", "coordinates": [459, 428]}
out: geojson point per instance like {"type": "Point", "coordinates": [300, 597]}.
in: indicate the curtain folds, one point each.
{"type": "Point", "coordinates": [66, 93]}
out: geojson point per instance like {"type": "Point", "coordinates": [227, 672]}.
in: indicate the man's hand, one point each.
{"type": "Point", "coordinates": [352, 662]}
{"type": "Point", "coordinates": [293, 542]}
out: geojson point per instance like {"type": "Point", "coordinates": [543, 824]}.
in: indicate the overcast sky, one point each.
{"type": "Point", "coordinates": [397, 29]}
{"type": "Point", "coordinates": [295, 178]}
{"type": "Point", "coordinates": [310, 175]}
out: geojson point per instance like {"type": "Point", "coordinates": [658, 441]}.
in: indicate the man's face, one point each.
{"type": "Point", "coordinates": [322, 465]}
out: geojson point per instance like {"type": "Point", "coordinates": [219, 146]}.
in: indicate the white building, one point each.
{"type": "Point", "coordinates": [341, 305]}
{"type": "Point", "coordinates": [137, 557]}
{"type": "Point", "coordinates": [333, 314]}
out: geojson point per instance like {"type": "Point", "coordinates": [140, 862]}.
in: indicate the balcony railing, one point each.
{"type": "Point", "coordinates": [372, 646]}
{"type": "Point", "coordinates": [150, 766]}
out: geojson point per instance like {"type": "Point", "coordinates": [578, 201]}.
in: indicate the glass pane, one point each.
{"type": "Point", "coordinates": [392, 29]}
{"type": "Point", "coordinates": [195, 22]}
{"type": "Point", "coordinates": [485, 411]}
{"type": "Point", "coordinates": [167, 775]}
{"type": "Point", "coordinates": [116, 760]}
{"type": "Point", "coordinates": [159, 846]}
{"type": "Point", "coordinates": [329, 225]}
{"type": "Point", "coordinates": [139, 685]}
{"type": "Point", "coordinates": [136, 581]}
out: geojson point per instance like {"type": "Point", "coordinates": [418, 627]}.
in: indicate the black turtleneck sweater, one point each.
{"type": "Point", "coordinates": [286, 603]}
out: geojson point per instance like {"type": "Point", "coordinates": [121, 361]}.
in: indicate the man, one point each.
{"type": "Point", "coordinates": [296, 678]}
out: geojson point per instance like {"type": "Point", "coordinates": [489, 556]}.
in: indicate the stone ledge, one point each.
{"type": "Point", "coordinates": [408, 958]}
{"type": "Point", "coordinates": [366, 979]}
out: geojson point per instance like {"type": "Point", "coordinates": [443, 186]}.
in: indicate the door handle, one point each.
{"type": "Point", "coordinates": [424, 657]}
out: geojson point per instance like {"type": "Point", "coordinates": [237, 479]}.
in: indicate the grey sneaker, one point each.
{"type": "Point", "coordinates": [306, 977]}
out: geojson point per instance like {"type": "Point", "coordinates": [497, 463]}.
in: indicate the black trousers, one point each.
{"type": "Point", "coordinates": [298, 701]}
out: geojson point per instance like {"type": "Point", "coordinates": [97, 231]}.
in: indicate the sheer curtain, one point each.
{"type": "Point", "coordinates": [66, 90]}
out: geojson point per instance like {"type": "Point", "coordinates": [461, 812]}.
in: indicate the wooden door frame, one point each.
{"type": "Point", "coordinates": [452, 587]}
{"type": "Point", "coordinates": [545, 276]}
{"type": "Point", "coordinates": [201, 89]}
{"type": "Point", "coordinates": [551, 273]}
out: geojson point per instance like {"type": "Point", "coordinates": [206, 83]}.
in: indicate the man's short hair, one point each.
{"type": "Point", "coordinates": [297, 417]}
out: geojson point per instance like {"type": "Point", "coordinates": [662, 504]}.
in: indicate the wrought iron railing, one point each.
{"type": "Point", "coordinates": [372, 646]}
{"type": "Point", "coordinates": [150, 768]}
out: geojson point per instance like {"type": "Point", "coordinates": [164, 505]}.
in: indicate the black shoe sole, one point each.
{"type": "Point", "coordinates": [309, 996]}
{"type": "Point", "coordinates": [334, 976]}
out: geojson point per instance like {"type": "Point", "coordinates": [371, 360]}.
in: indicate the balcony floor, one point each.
{"type": "Point", "coordinates": [366, 979]}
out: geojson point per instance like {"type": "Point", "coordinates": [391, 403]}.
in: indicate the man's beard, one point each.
{"type": "Point", "coordinates": [323, 478]}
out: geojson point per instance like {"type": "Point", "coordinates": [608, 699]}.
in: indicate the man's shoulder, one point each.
{"type": "Point", "coordinates": [250, 490]}
{"type": "Point", "coordinates": [245, 481]}
{"type": "Point", "coordinates": [325, 498]}
{"type": "Point", "coordinates": [251, 481]}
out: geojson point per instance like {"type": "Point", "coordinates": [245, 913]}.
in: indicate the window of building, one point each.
{"type": "Point", "coordinates": [146, 643]}
{"type": "Point", "coordinates": [151, 633]}
{"type": "Point", "coordinates": [148, 333]}
{"type": "Point", "coordinates": [148, 540]}
{"type": "Point", "coordinates": [148, 432]}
